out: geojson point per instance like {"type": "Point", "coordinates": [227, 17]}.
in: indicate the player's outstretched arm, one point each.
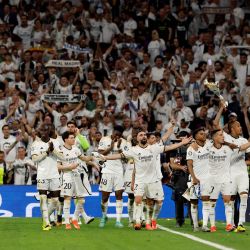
{"type": "Point", "coordinates": [177, 145]}
{"type": "Point", "coordinates": [112, 157]}
{"type": "Point", "coordinates": [71, 166]}
{"type": "Point", "coordinates": [244, 146]}
{"type": "Point", "coordinates": [86, 158]}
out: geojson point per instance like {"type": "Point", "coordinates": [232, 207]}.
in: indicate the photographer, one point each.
{"type": "Point", "coordinates": [179, 178]}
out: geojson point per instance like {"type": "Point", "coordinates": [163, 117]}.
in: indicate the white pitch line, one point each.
{"type": "Point", "coordinates": [194, 238]}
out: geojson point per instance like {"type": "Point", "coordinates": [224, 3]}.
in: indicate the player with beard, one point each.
{"type": "Point", "coordinates": [45, 155]}
{"type": "Point", "coordinates": [144, 156]}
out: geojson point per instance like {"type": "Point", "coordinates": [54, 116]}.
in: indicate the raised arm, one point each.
{"type": "Point", "coordinates": [218, 115]}
{"type": "Point", "coordinates": [46, 105]}
{"type": "Point", "coordinates": [177, 145]}
{"type": "Point", "coordinates": [245, 112]}
{"type": "Point", "coordinates": [169, 132]}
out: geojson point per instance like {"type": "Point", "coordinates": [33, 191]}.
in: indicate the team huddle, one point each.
{"type": "Point", "coordinates": [216, 165]}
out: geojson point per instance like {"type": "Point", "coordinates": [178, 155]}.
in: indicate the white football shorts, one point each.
{"type": "Point", "coordinates": [49, 184]}
{"type": "Point", "coordinates": [224, 188]}
{"type": "Point", "coordinates": [150, 190]}
{"type": "Point", "coordinates": [240, 183]}
{"type": "Point", "coordinates": [111, 182]}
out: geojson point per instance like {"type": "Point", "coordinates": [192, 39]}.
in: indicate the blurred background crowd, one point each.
{"type": "Point", "coordinates": [140, 64]}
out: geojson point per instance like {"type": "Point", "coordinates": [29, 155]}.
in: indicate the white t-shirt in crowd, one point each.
{"type": "Point", "coordinates": [22, 172]}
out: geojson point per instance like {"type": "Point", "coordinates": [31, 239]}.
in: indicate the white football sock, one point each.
{"type": "Point", "coordinates": [156, 210]}
{"type": "Point", "coordinates": [119, 208]}
{"type": "Point", "coordinates": [52, 205]}
{"type": "Point", "coordinates": [143, 211]}
{"type": "Point", "coordinates": [60, 208]}
{"type": "Point", "coordinates": [104, 207]}
{"type": "Point", "coordinates": [137, 212]}
{"type": "Point", "coordinates": [78, 208]}
{"type": "Point", "coordinates": [212, 213]}
{"type": "Point", "coordinates": [130, 209]}
{"type": "Point", "coordinates": [149, 209]}
{"type": "Point", "coordinates": [232, 205]}
{"type": "Point", "coordinates": [66, 210]}
{"type": "Point", "coordinates": [228, 212]}
{"type": "Point", "coordinates": [243, 208]}
{"type": "Point", "coordinates": [44, 208]}
{"type": "Point", "coordinates": [205, 212]}
{"type": "Point", "coordinates": [194, 214]}
{"type": "Point", "coordinates": [51, 214]}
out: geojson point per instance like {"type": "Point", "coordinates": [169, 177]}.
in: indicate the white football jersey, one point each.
{"type": "Point", "coordinates": [112, 166]}
{"type": "Point", "coordinates": [47, 168]}
{"type": "Point", "coordinates": [157, 164]}
{"type": "Point", "coordinates": [200, 159]}
{"type": "Point", "coordinates": [70, 156]}
{"type": "Point", "coordinates": [238, 163]}
{"type": "Point", "coordinates": [219, 163]}
{"type": "Point", "coordinates": [144, 158]}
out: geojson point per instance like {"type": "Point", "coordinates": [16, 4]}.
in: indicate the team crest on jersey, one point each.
{"type": "Point", "coordinates": [190, 153]}
{"type": "Point", "coordinates": [101, 144]}
{"type": "Point", "coordinates": [126, 148]}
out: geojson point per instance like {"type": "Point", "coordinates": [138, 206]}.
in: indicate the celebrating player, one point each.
{"type": "Point", "coordinates": [197, 161]}
{"type": "Point", "coordinates": [45, 155]}
{"type": "Point", "coordinates": [71, 180]}
{"type": "Point", "coordinates": [144, 157]}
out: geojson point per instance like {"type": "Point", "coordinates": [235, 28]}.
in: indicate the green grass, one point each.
{"type": "Point", "coordinates": [24, 233]}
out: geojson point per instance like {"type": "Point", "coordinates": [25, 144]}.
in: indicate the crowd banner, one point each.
{"type": "Point", "coordinates": [21, 201]}
{"type": "Point", "coordinates": [70, 98]}
{"type": "Point", "coordinates": [216, 10]}
{"type": "Point", "coordinates": [76, 48]}
{"type": "Point", "coordinates": [63, 63]}
{"type": "Point", "coordinates": [238, 47]}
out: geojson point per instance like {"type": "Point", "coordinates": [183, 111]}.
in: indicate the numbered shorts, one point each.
{"type": "Point", "coordinates": [203, 189]}
{"type": "Point", "coordinates": [240, 183]}
{"type": "Point", "coordinates": [127, 181]}
{"type": "Point", "coordinates": [150, 190]}
{"type": "Point", "coordinates": [223, 188]}
{"type": "Point", "coordinates": [73, 187]}
{"type": "Point", "coordinates": [127, 187]}
{"type": "Point", "coordinates": [111, 182]}
{"type": "Point", "coordinates": [49, 184]}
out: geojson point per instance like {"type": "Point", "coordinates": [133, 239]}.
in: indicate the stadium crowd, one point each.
{"type": "Point", "coordinates": [107, 66]}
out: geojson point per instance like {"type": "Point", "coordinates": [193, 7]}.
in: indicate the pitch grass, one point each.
{"type": "Point", "coordinates": [26, 233]}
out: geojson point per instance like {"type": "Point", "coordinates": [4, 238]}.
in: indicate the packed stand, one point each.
{"type": "Point", "coordinates": [139, 67]}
